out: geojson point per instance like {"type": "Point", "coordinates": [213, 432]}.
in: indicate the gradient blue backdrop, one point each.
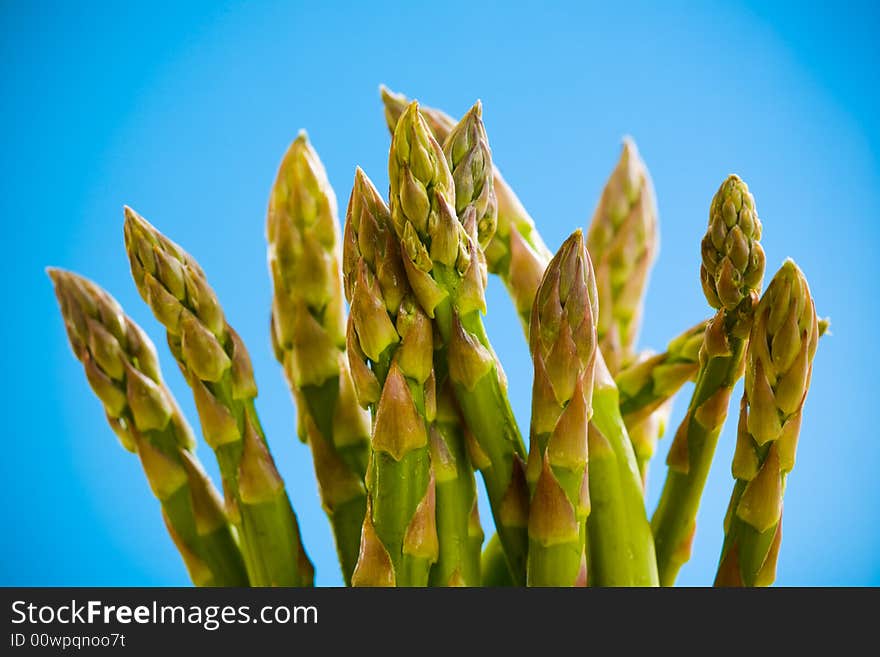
{"type": "Point", "coordinates": [184, 113]}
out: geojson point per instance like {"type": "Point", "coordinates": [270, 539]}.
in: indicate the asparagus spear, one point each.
{"type": "Point", "coordinates": [621, 546]}
{"type": "Point", "coordinates": [779, 365]}
{"type": "Point", "coordinates": [623, 242]}
{"type": "Point", "coordinates": [649, 383]}
{"type": "Point", "coordinates": [731, 273]}
{"type": "Point", "coordinates": [563, 345]}
{"type": "Point", "coordinates": [459, 532]}
{"type": "Point", "coordinates": [445, 268]}
{"type": "Point", "coordinates": [309, 338]}
{"type": "Point", "coordinates": [647, 387]}
{"type": "Point", "coordinates": [217, 367]}
{"type": "Point", "coordinates": [390, 349]}
{"type": "Point", "coordinates": [122, 368]}
{"type": "Point", "coordinates": [516, 252]}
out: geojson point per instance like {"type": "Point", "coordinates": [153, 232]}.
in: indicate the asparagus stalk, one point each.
{"type": "Point", "coordinates": [623, 243]}
{"type": "Point", "coordinates": [621, 546]}
{"type": "Point", "coordinates": [390, 349]}
{"type": "Point", "coordinates": [459, 532]}
{"type": "Point", "coordinates": [516, 252]}
{"type": "Point", "coordinates": [563, 345]}
{"type": "Point", "coordinates": [445, 268]}
{"type": "Point", "coordinates": [647, 388]}
{"type": "Point", "coordinates": [731, 273]}
{"type": "Point", "coordinates": [122, 368]}
{"type": "Point", "coordinates": [217, 367]}
{"type": "Point", "coordinates": [309, 338]}
{"type": "Point", "coordinates": [779, 366]}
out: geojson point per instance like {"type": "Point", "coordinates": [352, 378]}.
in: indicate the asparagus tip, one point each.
{"type": "Point", "coordinates": [130, 214]}
{"type": "Point", "coordinates": [134, 220]}
{"type": "Point", "coordinates": [54, 273]}
{"type": "Point", "coordinates": [732, 257]}
{"type": "Point", "coordinates": [573, 242]}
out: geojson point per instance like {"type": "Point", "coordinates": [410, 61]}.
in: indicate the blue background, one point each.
{"type": "Point", "coordinates": [183, 111]}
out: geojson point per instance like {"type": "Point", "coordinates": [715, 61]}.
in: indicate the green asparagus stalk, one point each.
{"type": "Point", "coordinates": [620, 541]}
{"type": "Point", "coordinates": [563, 344]}
{"type": "Point", "coordinates": [390, 350]}
{"type": "Point", "coordinates": [122, 368]}
{"type": "Point", "coordinates": [516, 252]}
{"type": "Point", "coordinates": [445, 269]}
{"type": "Point", "coordinates": [647, 388]}
{"type": "Point", "coordinates": [623, 243]}
{"type": "Point", "coordinates": [217, 367]}
{"type": "Point", "coordinates": [459, 532]}
{"type": "Point", "coordinates": [308, 334]}
{"type": "Point", "coordinates": [731, 273]}
{"type": "Point", "coordinates": [779, 366]}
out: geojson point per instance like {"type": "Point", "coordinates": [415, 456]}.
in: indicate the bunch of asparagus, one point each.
{"type": "Point", "coordinates": [401, 400]}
